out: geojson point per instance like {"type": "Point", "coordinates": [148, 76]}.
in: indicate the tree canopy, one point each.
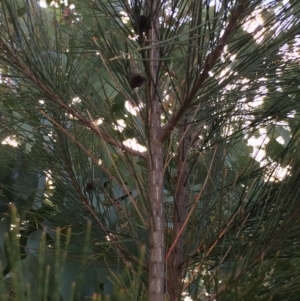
{"type": "Point", "coordinates": [149, 150]}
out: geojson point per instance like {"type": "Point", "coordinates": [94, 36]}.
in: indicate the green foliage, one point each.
{"type": "Point", "coordinates": [54, 266]}
{"type": "Point", "coordinates": [74, 199]}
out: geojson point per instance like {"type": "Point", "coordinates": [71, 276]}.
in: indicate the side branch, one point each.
{"type": "Point", "coordinates": [175, 271]}
{"type": "Point", "coordinates": [58, 100]}
{"type": "Point", "coordinates": [209, 63]}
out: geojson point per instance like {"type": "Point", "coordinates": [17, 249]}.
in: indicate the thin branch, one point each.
{"type": "Point", "coordinates": [175, 273]}
{"type": "Point", "coordinates": [58, 100]}
{"type": "Point", "coordinates": [259, 257]}
{"type": "Point", "coordinates": [88, 153]}
{"type": "Point", "coordinates": [83, 198]}
{"type": "Point", "coordinates": [209, 63]}
{"type": "Point", "coordinates": [196, 200]}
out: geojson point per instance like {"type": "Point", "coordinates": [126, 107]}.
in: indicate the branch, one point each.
{"type": "Point", "coordinates": [68, 166]}
{"type": "Point", "coordinates": [58, 100]}
{"type": "Point", "coordinates": [209, 63]}
{"type": "Point", "coordinates": [196, 200]}
{"type": "Point", "coordinates": [175, 273]}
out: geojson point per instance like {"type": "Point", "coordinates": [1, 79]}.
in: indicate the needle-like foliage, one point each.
{"type": "Point", "coordinates": [171, 129]}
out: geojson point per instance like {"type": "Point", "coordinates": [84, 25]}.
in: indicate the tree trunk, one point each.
{"type": "Point", "coordinates": [155, 165]}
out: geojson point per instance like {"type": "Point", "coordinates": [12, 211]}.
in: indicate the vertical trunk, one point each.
{"type": "Point", "coordinates": [155, 164]}
{"type": "Point", "coordinates": [175, 271]}
{"type": "Point", "coordinates": [157, 222]}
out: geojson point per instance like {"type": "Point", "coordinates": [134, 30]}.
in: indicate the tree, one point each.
{"type": "Point", "coordinates": [140, 120]}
